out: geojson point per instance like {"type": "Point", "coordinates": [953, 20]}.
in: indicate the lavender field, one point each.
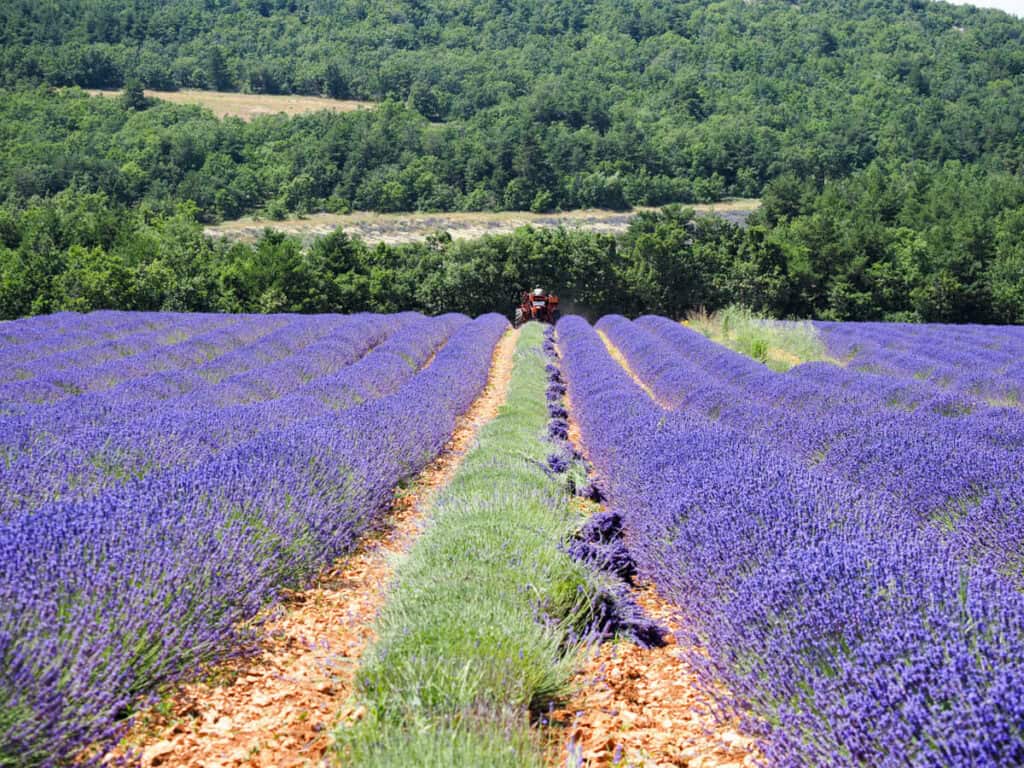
{"type": "Point", "coordinates": [163, 476]}
{"type": "Point", "coordinates": [844, 541]}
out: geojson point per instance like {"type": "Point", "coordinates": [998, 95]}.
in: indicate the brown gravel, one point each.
{"type": "Point", "coordinates": [644, 707]}
{"type": "Point", "coordinates": [278, 708]}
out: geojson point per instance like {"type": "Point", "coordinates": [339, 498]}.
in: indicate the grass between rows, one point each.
{"type": "Point", "coordinates": [778, 344]}
{"type": "Point", "coordinates": [482, 626]}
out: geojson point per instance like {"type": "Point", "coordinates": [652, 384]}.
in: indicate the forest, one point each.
{"type": "Point", "coordinates": [885, 138]}
{"type": "Point", "coordinates": [905, 242]}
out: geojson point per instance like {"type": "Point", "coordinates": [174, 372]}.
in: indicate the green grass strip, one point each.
{"type": "Point", "coordinates": [479, 630]}
{"type": "Point", "coordinates": [778, 344]}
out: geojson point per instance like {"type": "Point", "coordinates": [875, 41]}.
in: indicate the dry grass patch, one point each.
{"type": "Point", "coordinates": [249, 105]}
{"type": "Point", "coordinates": [394, 228]}
{"type": "Point", "coordinates": [779, 344]}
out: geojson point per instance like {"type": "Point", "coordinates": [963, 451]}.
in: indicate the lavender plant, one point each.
{"type": "Point", "coordinates": [849, 631]}
{"type": "Point", "coordinates": [95, 442]}
{"type": "Point", "coordinates": [983, 361]}
{"type": "Point", "coordinates": [933, 457]}
{"type": "Point", "coordinates": [106, 597]}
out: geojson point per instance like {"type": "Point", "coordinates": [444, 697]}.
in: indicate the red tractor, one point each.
{"type": "Point", "coordinates": [537, 305]}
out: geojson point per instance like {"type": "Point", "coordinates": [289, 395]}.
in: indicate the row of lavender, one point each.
{"type": "Point", "coordinates": [926, 455]}
{"type": "Point", "coordinates": [172, 355]}
{"type": "Point", "coordinates": [223, 490]}
{"type": "Point", "coordinates": [848, 629]}
{"type": "Point", "coordinates": [74, 444]}
{"type": "Point", "coordinates": [32, 338]}
{"type": "Point", "coordinates": [78, 447]}
{"type": "Point", "coordinates": [986, 362]}
{"type": "Point", "coordinates": [165, 342]}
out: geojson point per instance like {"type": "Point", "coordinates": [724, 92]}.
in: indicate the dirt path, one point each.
{"type": "Point", "coordinates": [644, 708]}
{"type": "Point", "coordinates": [278, 708]}
{"type": "Point", "coordinates": [619, 358]}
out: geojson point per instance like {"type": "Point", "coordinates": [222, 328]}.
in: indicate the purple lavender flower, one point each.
{"type": "Point", "coordinates": [557, 411]}
{"type": "Point", "coordinates": [557, 463]}
{"type": "Point", "coordinates": [822, 531]}
{"type": "Point", "coordinates": [139, 573]}
{"type": "Point", "coordinates": [558, 429]}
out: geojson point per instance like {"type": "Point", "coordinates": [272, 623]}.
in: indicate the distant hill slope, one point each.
{"type": "Point", "coordinates": [728, 93]}
{"type": "Point", "coordinates": [884, 137]}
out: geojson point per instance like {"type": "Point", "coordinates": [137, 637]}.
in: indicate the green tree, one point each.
{"type": "Point", "coordinates": [1006, 272]}
{"type": "Point", "coordinates": [132, 96]}
{"type": "Point", "coordinates": [93, 279]}
{"type": "Point", "coordinates": [217, 72]}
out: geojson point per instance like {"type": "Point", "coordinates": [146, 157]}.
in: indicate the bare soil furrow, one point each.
{"type": "Point", "coordinates": [277, 708]}
{"type": "Point", "coordinates": [621, 360]}
{"type": "Point", "coordinates": [644, 707]}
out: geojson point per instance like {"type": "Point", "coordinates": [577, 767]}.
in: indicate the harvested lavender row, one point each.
{"type": "Point", "coordinates": [102, 600]}
{"type": "Point", "coordinates": [598, 543]}
{"type": "Point", "coordinates": [849, 635]}
{"type": "Point", "coordinates": [482, 625]}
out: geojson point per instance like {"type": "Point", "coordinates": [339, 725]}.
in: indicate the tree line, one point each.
{"type": "Point", "coordinates": [911, 242]}
{"type": "Point", "coordinates": [501, 104]}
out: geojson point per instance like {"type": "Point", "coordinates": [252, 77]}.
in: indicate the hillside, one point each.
{"type": "Point", "coordinates": [884, 136]}
{"type": "Point", "coordinates": [568, 104]}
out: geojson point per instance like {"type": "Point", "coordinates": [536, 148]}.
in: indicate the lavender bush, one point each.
{"type": "Point", "coordinates": [933, 456]}
{"type": "Point", "coordinates": [850, 628]}
{"type": "Point", "coordinates": [107, 595]}
{"type": "Point", "coordinates": [984, 361]}
{"type": "Point", "coordinates": [94, 442]}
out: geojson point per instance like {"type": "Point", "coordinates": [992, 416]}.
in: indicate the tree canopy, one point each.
{"type": "Point", "coordinates": [885, 137]}
{"type": "Point", "coordinates": [509, 103]}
